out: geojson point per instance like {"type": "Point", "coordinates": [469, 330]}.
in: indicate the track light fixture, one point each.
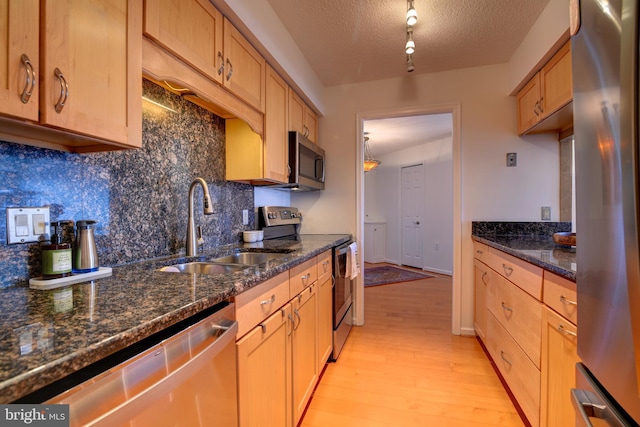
{"type": "Point", "coordinates": [412, 15]}
{"type": "Point", "coordinates": [410, 47]}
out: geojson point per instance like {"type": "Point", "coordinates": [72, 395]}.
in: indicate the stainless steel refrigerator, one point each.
{"type": "Point", "coordinates": [605, 82]}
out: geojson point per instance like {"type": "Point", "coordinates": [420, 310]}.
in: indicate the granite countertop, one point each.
{"type": "Point", "coordinates": [49, 334]}
{"type": "Point", "coordinates": [536, 249]}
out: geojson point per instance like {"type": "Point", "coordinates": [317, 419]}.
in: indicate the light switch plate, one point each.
{"type": "Point", "coordinates": [545, 213]}
{"type": "Point", "coordinates": [26, 225]}
{"type": "Point", "coordinates": [512, 160]}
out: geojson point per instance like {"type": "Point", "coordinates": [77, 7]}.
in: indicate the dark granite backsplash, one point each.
{"type": "Point", "coordinates": [139, 197]}
{"type": "Point", "coordinates": [480, 228]}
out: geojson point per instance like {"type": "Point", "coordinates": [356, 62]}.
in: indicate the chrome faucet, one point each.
{"type": "Point", "coordinates": [193, 239]}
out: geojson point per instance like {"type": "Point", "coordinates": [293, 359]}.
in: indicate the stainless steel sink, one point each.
{"type": "Point", "coordinates": [203, 268]}
{"type": "Point", "coordinates": [250, 258]}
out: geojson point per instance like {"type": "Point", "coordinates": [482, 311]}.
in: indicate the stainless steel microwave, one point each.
{"type": "Point", "coordinates": [306, 164]}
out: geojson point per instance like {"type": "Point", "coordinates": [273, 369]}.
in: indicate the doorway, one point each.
{"type": "Point", "coordinates": [450, 244]}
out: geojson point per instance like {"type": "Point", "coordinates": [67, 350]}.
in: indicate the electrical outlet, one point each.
{"type": "Point", "coordinates": [512, 160]}
{"type": "Point", "coordinates": [245, 217]}
{"type": "Point", "coordinates": [546, 213]}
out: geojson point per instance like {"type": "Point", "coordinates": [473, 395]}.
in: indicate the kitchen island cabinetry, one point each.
{"type": "Point", "coordinates": [559, 352]}
{"type": "Point", "coordinates": [85, 87]}
{"type": "Point", "coordinates": [544, 103]}
{"type": "Point", "coordinates": [302, 118]}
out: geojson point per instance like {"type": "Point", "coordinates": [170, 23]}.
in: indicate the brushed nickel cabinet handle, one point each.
{"type": "Point", "coordinates": [30, 82]}
{"type": "Point", "coordinates": [293, 323]}
{"type": "Point", "coordinates": [507, 361]}
{"type": "Point", "coordinates": [562, 330]}
{"type": "Point", "coordinates": [230, 69]}
{"type": "Point", "coordinates": [485, 274]}
{"type": "Point", "coordinates": [64, 90]}
{"type": "Point", "coordinates": [297, 313]}
{"type": "Point", "coordinates": [507, 270]}
{"type": "Point", "coordinates": [479, 252]}
{"type": "Point", "coordinates": [269, 301]}
{"type": "Point", "coordinates": [540, 104]}
{"type": "Point", "coordinates": [566, 301]}
{"type": "Point", "coordinates": [506, 307]}
{"type": "Point", "coordinates": [536, 110]}
{"type": "Point", "coordinates": [221, 58]}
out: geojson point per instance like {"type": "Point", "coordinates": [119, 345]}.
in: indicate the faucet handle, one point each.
{"type": "Point", "coordinates": [200, 240]}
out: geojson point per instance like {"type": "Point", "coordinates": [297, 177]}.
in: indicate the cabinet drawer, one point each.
{"type": "Point", "coordinates": [302, 276]}
{"type": "Point", "coordinates": [480, 251]}
{"type": "Point", "coordinates": [518, 313]}
{"type": "Point", "coordinates": [324, 266]}
{"type": "Point", "coordinates": [560, 294]}
{"type": "Point", "coordinates": [525, 275]}
{"type": "Point", "coordinates": [518, 371]}
{"type": "Point", "coordinates": [256, 304]}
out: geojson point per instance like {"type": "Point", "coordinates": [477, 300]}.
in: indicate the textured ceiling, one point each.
{"type": "Point", "coordinates": [347, 41]}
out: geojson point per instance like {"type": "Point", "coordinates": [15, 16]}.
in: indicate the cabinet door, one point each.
{"type": "Point", "coordinates": [296, 112]}
{"type": "Point", "coordinates": [559, 358]}
{"type": "Point", "coordinates": [264, 373]}
{"type": "Point", "coordinates": [276, 160]}
{"type": "Point", "coordinates": [528, 101]}
{"type": "Point", "coordinates": [311, 123]}
{"type": "Point", "coordinates": [19, 58]}
{"type": "Point", "coordinates": [303, 349]}
{"type": "Point", "coordinates": [481, 278]}
{"type": "Point", "coordinates": [325, 321]}
{"type": "Point", "coordinates": [91, 68]}
{"type": "Point", "coordinates": [556, 85]}
{"type": "Point", "coordinates": [190, 29]}
{"type": "Point", "coordinates": [245, 68]}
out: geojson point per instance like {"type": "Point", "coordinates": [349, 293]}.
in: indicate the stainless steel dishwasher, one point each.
{"type": "Point", "coordinates": [188, 379]}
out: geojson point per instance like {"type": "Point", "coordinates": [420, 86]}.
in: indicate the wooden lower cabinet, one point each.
{"type": "Point", "coordinates": [325, 321]}
{"type": "Point", "coordinates": [559, 358]}
{"type": "Point", "coordinates": [304, 349]}
{"type": "Point", "coordinates": [285, 338]}
{"type": "Point", "coordinates": [264, 373]}
{"type": "Point", "coordinates": [481, 277]}
{"type": "Point", "coordinates": [520, 373]}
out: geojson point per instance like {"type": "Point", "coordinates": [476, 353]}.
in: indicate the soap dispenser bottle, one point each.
{"type": "Point", "coordinates": [56, 255]}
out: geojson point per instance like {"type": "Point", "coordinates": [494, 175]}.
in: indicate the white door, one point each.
{"type": "Point", "coordinates": [412, 211]}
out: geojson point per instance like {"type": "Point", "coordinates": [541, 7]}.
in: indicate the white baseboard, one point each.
{"type": "Point", "coordinates": [467, 332]}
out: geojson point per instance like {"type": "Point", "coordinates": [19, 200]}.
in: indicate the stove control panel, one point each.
{"type": "Point", "coordinates": [279, 215]}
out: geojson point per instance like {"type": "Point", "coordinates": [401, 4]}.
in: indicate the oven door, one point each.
{"type": "Point", "coordinates": [343, 287]}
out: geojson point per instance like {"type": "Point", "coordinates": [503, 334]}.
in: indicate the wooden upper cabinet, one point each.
{"type": "Point", "coordinates": [544, 103]}
{"type": "Point", "coordinates": [192, 30]}
{"type": "Point", "coordinates": [90, 69]}
{"type": "Point", "coordinates": [19, 56]}
{"type": "Point", "coordinates": [528, 102]}
{"type": "Point", "coordinates": [245, 68]}
{"type": "Point", "coordinates": [276, 156]}
{"type": "Point", "coordinates": [302, 119]}
{"type": "Point", "coordinates": [556, 83]}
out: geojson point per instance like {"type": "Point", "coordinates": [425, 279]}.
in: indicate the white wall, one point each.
{"type": "Point", "coordinates": [489, 190]}
{"type": "Point", "coordinates": [383, 201]}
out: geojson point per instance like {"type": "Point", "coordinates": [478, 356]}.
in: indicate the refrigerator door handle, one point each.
{"type": "Point", "coordinates": [591, 403]}
{"type": "Point", "coordinates": [586, 406]}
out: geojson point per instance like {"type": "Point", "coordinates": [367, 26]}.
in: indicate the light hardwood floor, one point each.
{"type": "Point", "coordinates": [405, 368]}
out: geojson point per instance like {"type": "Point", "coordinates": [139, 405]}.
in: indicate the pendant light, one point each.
{"type": "Point", "coordinates": [369, 162]}
{"type": "Point", "coordinates": [410, 47]}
